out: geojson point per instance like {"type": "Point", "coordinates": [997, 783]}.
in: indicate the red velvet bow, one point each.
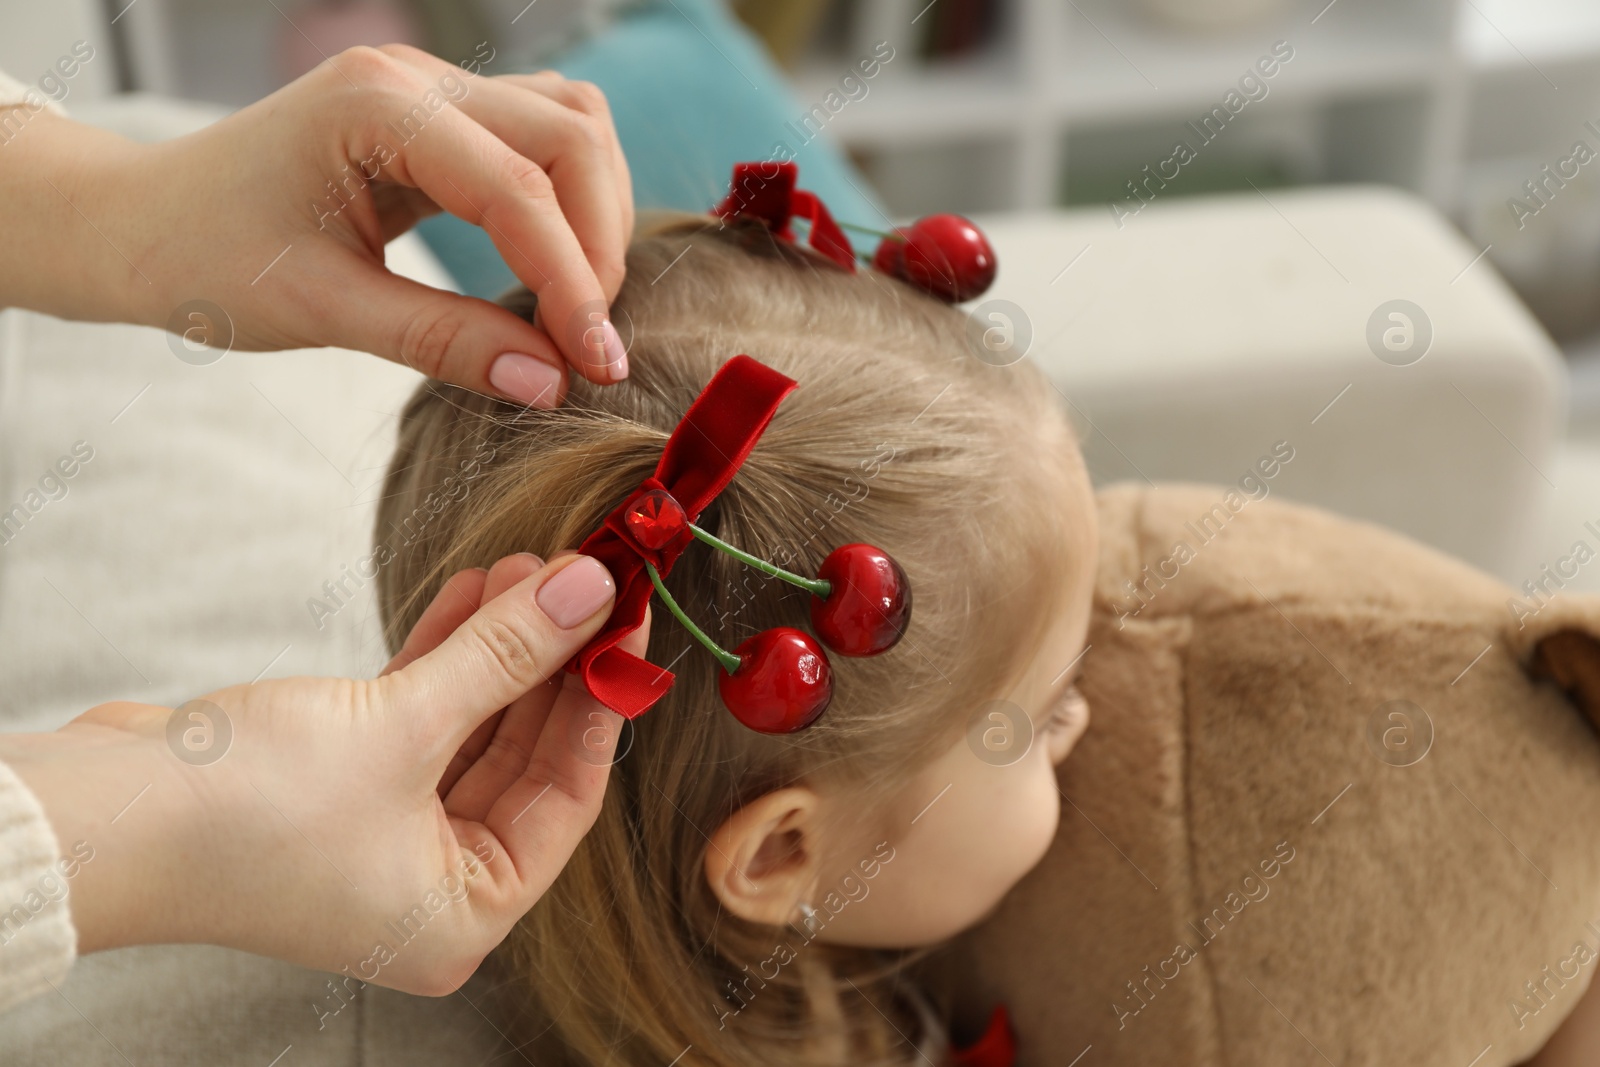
{"type": "Point", "coordinates": [699, 460]}
{"type": "Point", "coordinates": [996, 1048]}
{"type": "Point", "coordinates": [766, 191]}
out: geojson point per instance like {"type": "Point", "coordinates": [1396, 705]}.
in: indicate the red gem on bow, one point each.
{"type": "Point", "coordinates": [766, 191]}
{"type": "Point", "coordinates": [701, 457]}
{"type": "Point", "coordinates": [996, 1048]}
{"type": "Point", "coordinates": [656, 519]}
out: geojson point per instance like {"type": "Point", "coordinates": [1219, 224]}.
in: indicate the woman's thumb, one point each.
{"type": "Point", "coordinates": [457, 339]}
{"type": "Point", "coordinates": [512, 644]}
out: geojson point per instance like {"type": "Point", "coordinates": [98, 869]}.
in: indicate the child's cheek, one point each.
{"type": "Point", "coordinates": [1039, 815]}
{"type": "Point", "coordinates": [1024, 823]}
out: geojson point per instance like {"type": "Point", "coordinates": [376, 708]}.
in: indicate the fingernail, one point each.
{"type": "Point", "coordinates": [616, 355]}
{"type": "Point", "coordinates": [576, 592]}
{"type": "Point", "coordinates": [524, 378]}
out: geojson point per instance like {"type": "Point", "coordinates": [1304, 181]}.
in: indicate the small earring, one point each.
{"type": "Point", "coordinates": [808, 916]}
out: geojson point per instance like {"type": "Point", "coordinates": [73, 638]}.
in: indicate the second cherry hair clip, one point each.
{"type": "Point", "coordinates": [946, 256]}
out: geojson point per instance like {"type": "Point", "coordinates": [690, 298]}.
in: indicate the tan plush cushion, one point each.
{"type": "Point", "coordinates": [1230, 797]}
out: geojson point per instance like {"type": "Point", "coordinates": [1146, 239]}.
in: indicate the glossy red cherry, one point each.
{"type": "Point", "coordinates": [947, 256]}
{"type": "Point", "coordinates": [891, 252]}
{"type": "Point", "coordinates": [656, 519]}
{"type": "Point", "coordinates": [783, 682]}
{"type": "Point", "coordinates": [869, 604]}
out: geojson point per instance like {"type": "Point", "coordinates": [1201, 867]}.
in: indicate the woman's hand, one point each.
{"type": "Point", "coordinates": [391, 830]}
{"type": "Point", "coordinates": [278, 216]}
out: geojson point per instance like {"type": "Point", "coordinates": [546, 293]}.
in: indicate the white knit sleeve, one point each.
{"type": "Point", "coordinates": [37, 939]}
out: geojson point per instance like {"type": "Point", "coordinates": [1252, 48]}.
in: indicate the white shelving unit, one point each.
{"type": "Point", "coordinates": [1459, 100]}
{"type": "Point", "coordinates": [1377, 89]}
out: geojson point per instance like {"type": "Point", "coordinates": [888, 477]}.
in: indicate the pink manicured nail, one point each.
{"type": "Point", "coordinates": [531, 381]}
{"type": "Point", "coordinates": [576, 592]}
{"type": "Point", "coordinates": [616, 355]}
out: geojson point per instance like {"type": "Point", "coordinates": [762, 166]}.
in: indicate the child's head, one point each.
{"type": "Point", "coordinates": [736, 886]}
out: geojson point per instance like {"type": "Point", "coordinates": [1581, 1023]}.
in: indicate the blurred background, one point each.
{"type": "Point", "coordinates": [1001, 104]}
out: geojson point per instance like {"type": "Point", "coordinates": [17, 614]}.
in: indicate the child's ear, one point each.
{"type": "Point", "coordinates": [763, 862]}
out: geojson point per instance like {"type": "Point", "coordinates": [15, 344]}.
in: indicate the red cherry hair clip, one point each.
{"type": "Point", "coordinates": [943, 255]}
{"type": "Point", "coordinates": [779, 680]}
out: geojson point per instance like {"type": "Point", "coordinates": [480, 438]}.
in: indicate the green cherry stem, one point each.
{"type": "Point", "coordinates": [729, 661]}
{"type": "Point", "coordinates": [814, 586]}
{"type": "Point", "coordinates": [869, 230]}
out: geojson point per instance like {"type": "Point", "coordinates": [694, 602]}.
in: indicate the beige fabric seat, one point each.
{"type": "Point", "coordinates": [1205, 330]}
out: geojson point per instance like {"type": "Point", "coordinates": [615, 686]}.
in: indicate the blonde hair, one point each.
{"type": "Point", "coordinates": [897, 436]}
